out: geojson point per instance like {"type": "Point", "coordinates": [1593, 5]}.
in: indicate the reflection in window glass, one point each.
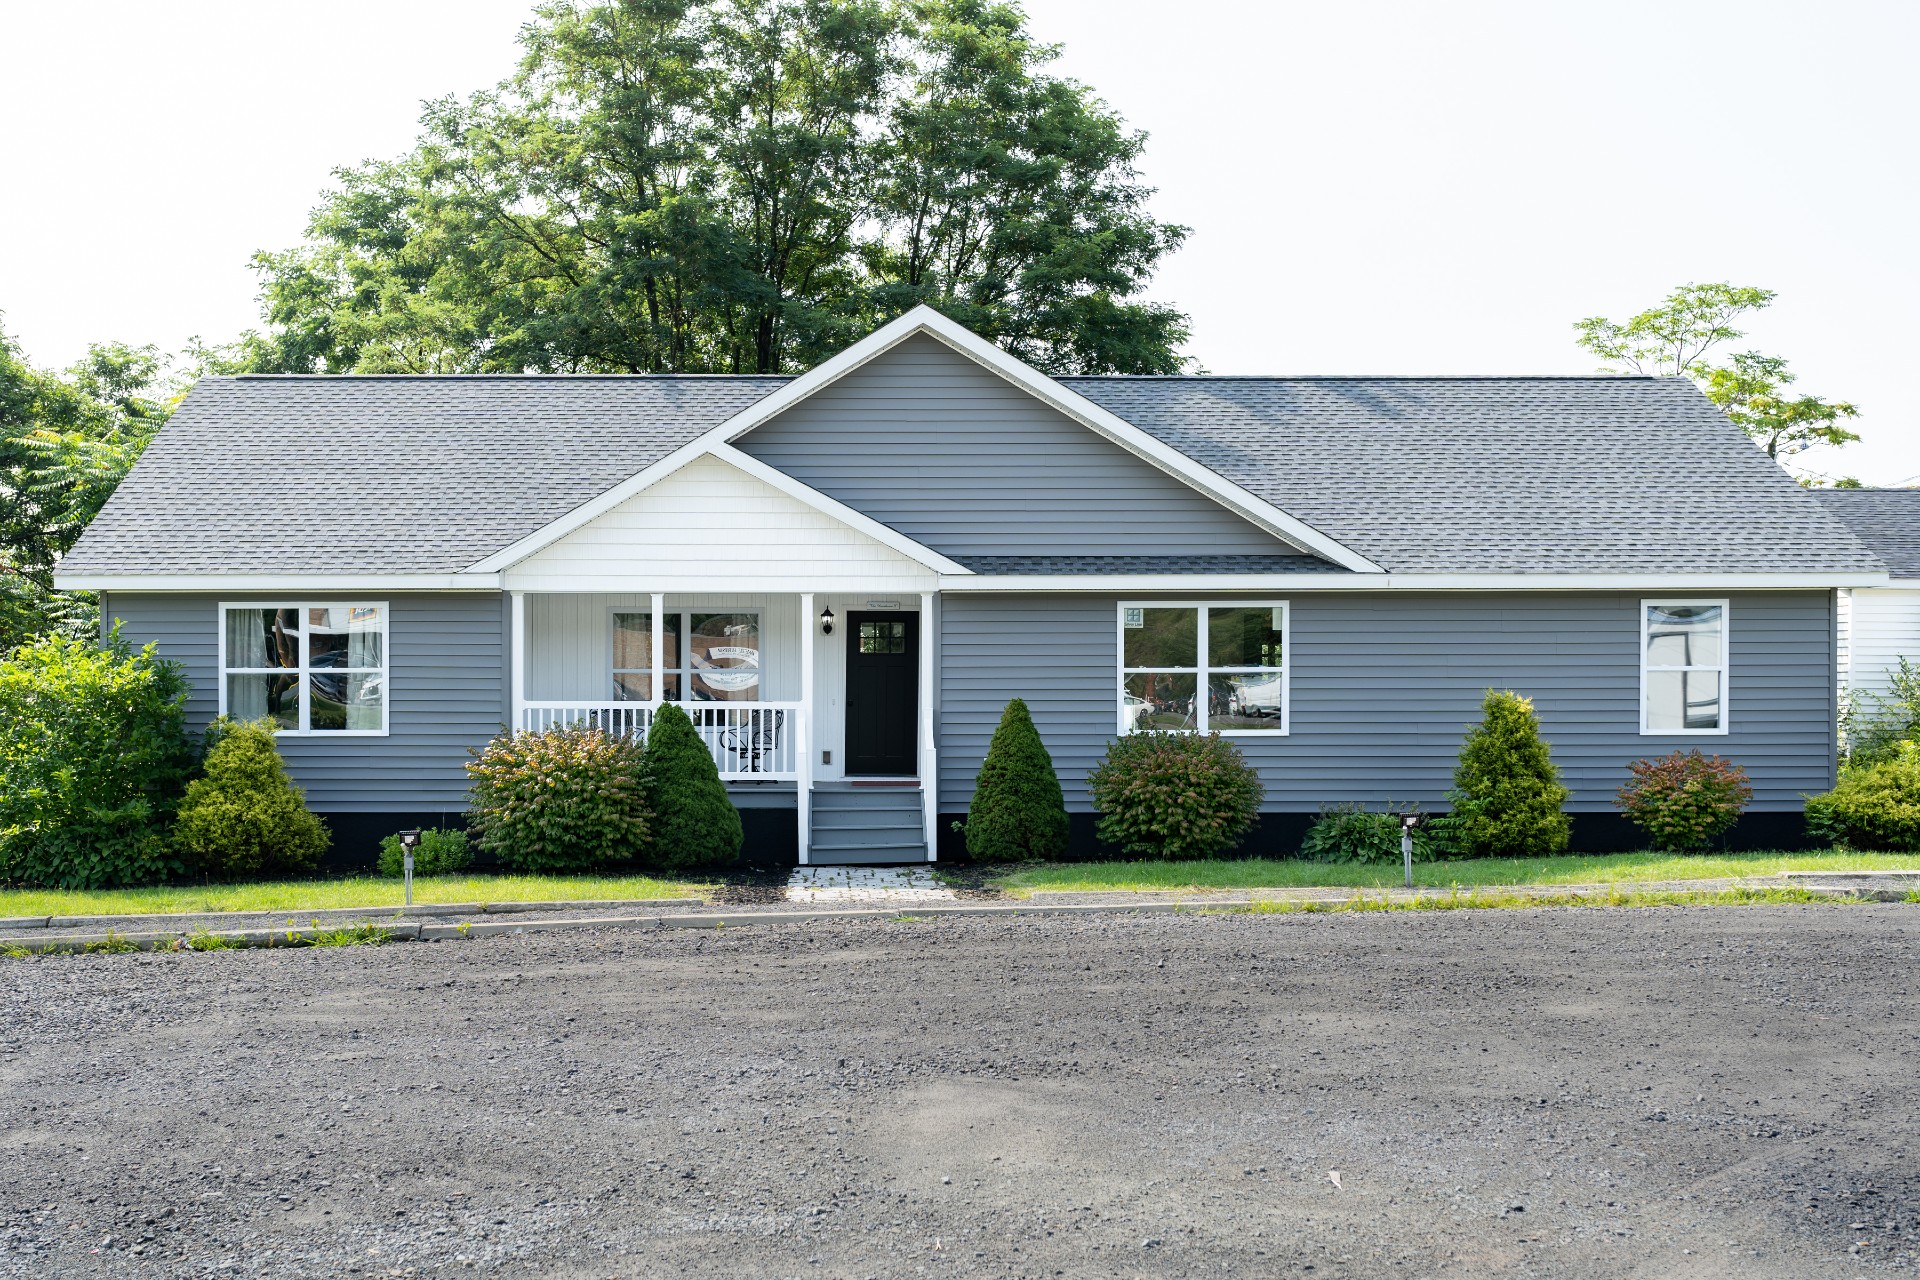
{"type": "Point", "coordinates": [1685, 656]}
{"type": "Point", "coordinates": [1683, 635]}
{"type": "Point", "coordinates": [1244, 636]}
{"type": "Point", "coordinates": [1162, 638]}
{"type": "Point", "coordinates": [1159, 700]}
{"type": "Point", "coordinates": [1245, 701]}
{"type": "Point", "coordinates": [883, 637]}
{"type": "Point", "coordinates": [313, 668]}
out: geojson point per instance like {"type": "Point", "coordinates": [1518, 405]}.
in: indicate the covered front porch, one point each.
{"type": "Point", "coordinates": [818, 701]}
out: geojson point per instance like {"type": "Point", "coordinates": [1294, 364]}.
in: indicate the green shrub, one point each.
{"type": "Point", "coordinates": [1872, 726]}
{"type": "Point", "coordinates": [439, 853]}
{"type": "Point", "coordinates": [243, 819]}
{"type": "Point", "coordinates": [1174, 795]}
{"type": "Point", "coordinates": [1684, 800]}
{"type": "Point", "coordinates": [570, 798]}
{"type": "Point", "coordinates": [695, 823]}
{"type": "Point", "coordinates": [1875, 806]}
{"type": "Point", "coordinates": [1506, 792]}
{"type": "Point", "coordinates": [1018, 810]}
{"type": "Point", "coordinates": [1351, 833]}
{"type": "Point", "coordinates": [93, 753]}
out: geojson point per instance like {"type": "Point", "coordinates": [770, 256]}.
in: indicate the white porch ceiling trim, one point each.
{"type": "Point", "coordinates": [926, 320]}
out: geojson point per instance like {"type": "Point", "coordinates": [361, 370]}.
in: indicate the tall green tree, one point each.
{"type": "Point", "coordinates": [737, 186]}
{"type": "Point", "coordinates": [1678, 337]}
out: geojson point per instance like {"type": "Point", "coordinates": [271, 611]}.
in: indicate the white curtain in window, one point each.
{"type": "Point", "coordinates": [247, 647]}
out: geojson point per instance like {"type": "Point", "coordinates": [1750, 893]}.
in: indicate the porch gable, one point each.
{"type": "Point", "coordinates": [712, 525]}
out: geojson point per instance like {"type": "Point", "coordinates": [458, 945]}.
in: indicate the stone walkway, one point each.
{"type": "Point", "coordinates": [866, 886]}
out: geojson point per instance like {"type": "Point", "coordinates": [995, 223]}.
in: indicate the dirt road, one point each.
{"type": "Point", "coordinates": [1659, 1092]}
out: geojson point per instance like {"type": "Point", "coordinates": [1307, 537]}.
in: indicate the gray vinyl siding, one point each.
{"type": "Point", "coordinates": [1384, 686]}
{"type": "Point", "coordinates": [447, 682]}
{"type": "Point", "coordinates": [928, 442]}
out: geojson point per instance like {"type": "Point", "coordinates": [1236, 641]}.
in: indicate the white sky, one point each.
{"type": "Point", "coordinates": [1373, 187]}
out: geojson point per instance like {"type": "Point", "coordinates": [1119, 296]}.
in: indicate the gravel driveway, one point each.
{"type": "Point", "coordinates": [1658, 1092]}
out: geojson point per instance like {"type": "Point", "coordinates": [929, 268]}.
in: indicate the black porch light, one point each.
{"type": "Point", "coordinates": [826, 622]}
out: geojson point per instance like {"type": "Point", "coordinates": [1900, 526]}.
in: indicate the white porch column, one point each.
{"type": "Point", "coordinates": [657, 653]}
{"type": "Point", "coordinates": [518, 660]}
{"type": "Point", "coordinates": [929, 757]}
{"type": "Point", "coordinates": [803, 730]}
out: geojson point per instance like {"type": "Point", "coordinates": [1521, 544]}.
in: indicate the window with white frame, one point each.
{"type": "Point", "coordinates": [1211, 665]}
{"type": "Point", "coordinates": [720, 661]}
{"type": "Point", "coordinates": [310, 668]}
{"type": "Point", "coordinates": [1683, 666]}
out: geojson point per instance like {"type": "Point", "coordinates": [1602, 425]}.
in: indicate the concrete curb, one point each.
{"type": "Point", "coordinates": [418, 931]}
{"type": "Point", "coordinates": [246, 919]}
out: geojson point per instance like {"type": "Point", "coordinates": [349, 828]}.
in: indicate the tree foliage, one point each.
{"type": "Point", "coordinates": [93, 754]}
{"type": "Point", "coordinates": [67, 439]}
{"type": "Point", "coordinates": [736, 186]}
{"type": "Point", "coordinates": [1018, 810]}
{"type": "Point", "coordinates": [243, 818]}
{"type": "Point", "coordinates": [1678, 337]}
{"type": "Point", "coordinates": [1506, 791]}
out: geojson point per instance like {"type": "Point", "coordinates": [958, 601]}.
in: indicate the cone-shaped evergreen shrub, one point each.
{"type": "Point", "coordinates": [566, 799]}
{"type": "Point", "coordinates": [694, 823]}
{"type": "Point", "coordinates": [1506, 790]}
{"type": "Point", "coordinates": [1018, 810]}
{"type": "Point", "coordinates": [244, 819]}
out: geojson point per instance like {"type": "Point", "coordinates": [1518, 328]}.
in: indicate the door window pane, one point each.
{"type": "Point", "coordinates": [883, 637]}
{"type": "Point", "coordinates": [1683, 635]}
{"type": "Point", "coordinates": [1244, 636]}
{"type": "Point", "coordinates": [1683, 700]}
{"type": "Point", "coordinates": [1158, 701]}
{"type": "Point", "coordinates": [1249, 701]}
{"type": "Point", "coordinates": [1161, 638]}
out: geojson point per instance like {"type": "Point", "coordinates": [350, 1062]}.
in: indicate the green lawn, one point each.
{"type": "Point", "coordinates": [1283, 873]}
{"type": "Point", "coordinates": [316, 895]}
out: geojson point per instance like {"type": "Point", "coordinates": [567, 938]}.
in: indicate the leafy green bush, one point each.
{"type": "Point", "coordinates": [1875, 806]}
{"type": "Point", "coordinates": [1351, 833]}
{"type": "Point", "coordinates": [1174, 795]}
{"type": "Point", "coordinates": [570, 798]}
{"type": "Point", "coordinates": [1684, 800]}
{"type": "Point", "coordinates": [695, 823]}
{"type": "Point", "coordinates": [439, 853]}
{"type": "Point", "coordinates": [243, 818]}
{"type": "Point", "coordinates": [1873, 726]}
{"type": "Point", "coordinates": [1018, 810]}
{"type": "Point", "coordinates": [1506, 791]}
{"type": "Point", "coordinates": [93, 753]}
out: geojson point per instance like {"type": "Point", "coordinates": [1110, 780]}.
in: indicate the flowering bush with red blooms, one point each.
{"type": "Point", "coordinates": [567, 799]}
{"type": "Point", "coordinates": [1686, 799]}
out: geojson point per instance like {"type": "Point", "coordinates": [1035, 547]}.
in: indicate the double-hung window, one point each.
{"type": "Point", "coordinates": [719, 661]}
{"type": "Point", "coordinates": [1212, 665]}
{"type": "Point", "coordinates": [1683, 666]}
{"type": "Point", "coordinates": [310, 668]}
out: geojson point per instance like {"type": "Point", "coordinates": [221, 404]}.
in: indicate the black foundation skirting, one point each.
{"type": "Point", "coordinates": [1278, 835]}
{"type": "Point", "coordinates": [772, 838]}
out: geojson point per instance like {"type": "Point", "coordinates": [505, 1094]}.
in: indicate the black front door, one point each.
{"type": "Point", "coordinates": [883, 691]}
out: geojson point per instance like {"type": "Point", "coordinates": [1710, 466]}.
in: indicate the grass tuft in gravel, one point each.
{"type": "Point", "coordinates": [363, 934]}
{"type": "Point", "coordinates": [1617, 897]}
{"type": "Point", "coordinates": [1290, 873]}
{"type": "Point", "coordinates": [113, 944]}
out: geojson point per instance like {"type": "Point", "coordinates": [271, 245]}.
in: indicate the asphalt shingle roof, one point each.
{"type": "Point", "coordinates": [1886, 520]}
{"type": "Point", "coordinates": [1491, 475]}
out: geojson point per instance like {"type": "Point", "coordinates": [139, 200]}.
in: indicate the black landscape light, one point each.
{"type": "Point", "coordinates": [1408, 821]}
{"type": "Point", "coordinates": [409, 841]}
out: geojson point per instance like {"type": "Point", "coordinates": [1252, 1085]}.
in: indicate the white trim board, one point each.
{"type": "Point", "coordinates": [281, 582]}
{"type": "Point", "coordinates": [1309, 583]}
{"type": "Point", "coordinates": [926, 320]}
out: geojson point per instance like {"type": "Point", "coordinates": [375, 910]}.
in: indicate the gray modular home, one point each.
{"type": "Point", "coordinates": [844, 576]}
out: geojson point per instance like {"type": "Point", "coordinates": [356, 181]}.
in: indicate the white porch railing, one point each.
{"type": "Point", "coordinates": [758, 740]}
